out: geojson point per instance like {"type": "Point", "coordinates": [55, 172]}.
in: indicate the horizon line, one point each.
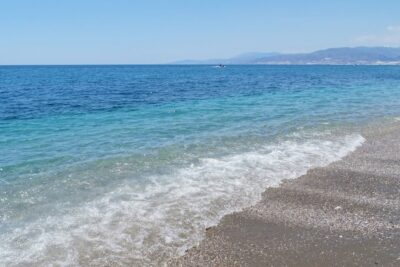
{"type": "Point", "coordinates": [176, 62]}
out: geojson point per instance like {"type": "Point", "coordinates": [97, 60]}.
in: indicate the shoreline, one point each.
{"type": "Point", "coordinates": [347, 213]}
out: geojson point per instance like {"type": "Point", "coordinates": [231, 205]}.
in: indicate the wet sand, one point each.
{"type": "Point", "coordinates": [345, 214]}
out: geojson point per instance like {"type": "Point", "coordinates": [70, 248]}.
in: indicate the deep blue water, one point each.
{"type": "Point", "coordinates": [133, 161]}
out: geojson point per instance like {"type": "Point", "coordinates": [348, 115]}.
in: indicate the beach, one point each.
{"type": "Point", "coordinates": [131, 173]}
{"type": "Point", "coordinates": [344, 214]}
{"type": "Point", "coordinates": [199, 133]}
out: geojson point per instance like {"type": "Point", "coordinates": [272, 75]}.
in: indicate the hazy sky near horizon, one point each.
{"type": "Point", "coordinates": [160, 31]}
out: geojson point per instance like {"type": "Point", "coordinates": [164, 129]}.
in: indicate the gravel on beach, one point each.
{"type": "Point", "coordinates": [345, 214]}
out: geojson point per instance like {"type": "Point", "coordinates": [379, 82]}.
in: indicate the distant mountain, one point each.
{"type": "Point", "coordinates": [246, 58]}
{"type": "Point", "coordinates": [331, 56]}
{"type": "Point", "coordinates": [343, 55]}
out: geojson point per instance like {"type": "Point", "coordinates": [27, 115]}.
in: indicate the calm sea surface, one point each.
{"type": "Point", "coordinates": [126, 165]}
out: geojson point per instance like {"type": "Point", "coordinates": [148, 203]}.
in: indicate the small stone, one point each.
{"type": "Point", "coordinates": [338, 208]}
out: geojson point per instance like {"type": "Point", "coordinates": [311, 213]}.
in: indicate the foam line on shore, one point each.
{"type": "Point", "coordinates": [346, 213]}
{"type": "Point", "coordinates": [129, 226]}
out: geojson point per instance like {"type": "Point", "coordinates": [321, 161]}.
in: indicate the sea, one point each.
{"type": "Point", "coordinates": [127, 165]}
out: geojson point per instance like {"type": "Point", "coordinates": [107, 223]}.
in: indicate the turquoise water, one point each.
{"type": "Point", "coordinates": [122, 165]}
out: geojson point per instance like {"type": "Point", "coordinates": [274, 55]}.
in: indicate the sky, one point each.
{"type": "Point", "coordinates": [161, 31]}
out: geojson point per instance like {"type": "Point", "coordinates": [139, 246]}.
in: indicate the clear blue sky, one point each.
{"type": "Point", "coordinates": [159, 31]}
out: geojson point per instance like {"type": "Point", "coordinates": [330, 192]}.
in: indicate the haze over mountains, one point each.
{"type": "Point", "coordinates": [331, 56]}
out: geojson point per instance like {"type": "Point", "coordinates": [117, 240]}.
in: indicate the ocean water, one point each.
{"type": "Point", "coordinates": [126, 165]}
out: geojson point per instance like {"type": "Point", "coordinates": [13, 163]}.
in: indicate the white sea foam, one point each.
{"type": "Point", "coordinates": [136, 226]}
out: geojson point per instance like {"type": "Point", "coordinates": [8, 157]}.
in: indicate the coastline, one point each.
{"type": "Point", "coordinates": [347, 213]}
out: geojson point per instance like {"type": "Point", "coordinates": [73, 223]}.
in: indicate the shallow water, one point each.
{"type": "Point", "coordinates": [127, 164]}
